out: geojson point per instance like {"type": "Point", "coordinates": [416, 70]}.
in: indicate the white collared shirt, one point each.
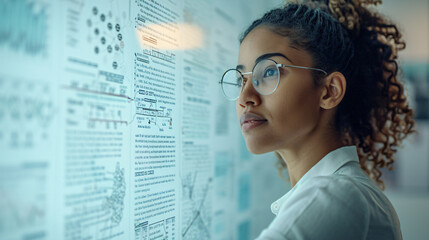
{"type": "Point", "coordinates": [335, 199]}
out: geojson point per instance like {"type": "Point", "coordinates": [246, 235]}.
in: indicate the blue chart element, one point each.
{"type": "Point", "coordinates": [23, 26]}
{"type": "Point", "coordinates": [243, 231]}
{"type": "Point", "coordinates": [221, 164]}
{"type": "Point", "coordinates": [245, 155]}
{"type": "Point", "coordinates": [244, 193]}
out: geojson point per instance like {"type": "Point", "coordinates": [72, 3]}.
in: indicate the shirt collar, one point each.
{"type": "Point", "coordinates": [326, 166]}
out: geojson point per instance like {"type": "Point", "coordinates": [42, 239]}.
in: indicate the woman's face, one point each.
{"type": "Point", "coordinates": [292, 112]}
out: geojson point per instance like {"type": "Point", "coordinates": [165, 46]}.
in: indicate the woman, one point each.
{"type": "Point", "coordinates": [316, 83]}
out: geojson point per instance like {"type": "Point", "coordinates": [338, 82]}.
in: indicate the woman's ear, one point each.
{"type": "Point", "coordinates": [334, 88]}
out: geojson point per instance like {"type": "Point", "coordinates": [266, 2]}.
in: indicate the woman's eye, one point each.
{"type": "Point", "coordinates": [270, 72]}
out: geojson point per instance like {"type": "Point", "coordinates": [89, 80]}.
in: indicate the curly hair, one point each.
{"type": "Point", "coordinates": [349, 37]}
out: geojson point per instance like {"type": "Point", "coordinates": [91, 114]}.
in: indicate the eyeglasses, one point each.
{"type": "Point", "coordinates": [265, 78]}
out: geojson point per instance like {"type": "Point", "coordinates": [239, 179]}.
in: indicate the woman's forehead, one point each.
{"type": "Point", "coordinates": [262, 40]}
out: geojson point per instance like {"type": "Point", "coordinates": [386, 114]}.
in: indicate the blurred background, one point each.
{"type": "Point", "coordinates": [113, 125]}
{"type": "Point", "coordinates": [408, 184]}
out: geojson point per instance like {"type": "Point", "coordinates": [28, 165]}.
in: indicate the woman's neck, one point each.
{"type": "Point", "coordinates": [304, 155]}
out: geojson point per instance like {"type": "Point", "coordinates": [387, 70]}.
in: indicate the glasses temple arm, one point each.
{"type": "Point", "coordinates": [316, 69]}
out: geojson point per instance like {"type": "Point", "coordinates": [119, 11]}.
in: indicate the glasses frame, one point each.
{"type": "Point", "coordinates": [278, 65]}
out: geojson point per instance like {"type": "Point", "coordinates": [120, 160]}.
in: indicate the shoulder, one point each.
{"type": "Point", "coordinates": [336, 186]}
{"type": "Point", "coordinates": [338, 194]}
{"type": "Point", "coordinates": [330, 206]}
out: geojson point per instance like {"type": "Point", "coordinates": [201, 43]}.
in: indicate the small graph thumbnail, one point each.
{"type": "Point", "coordinates": [24, 26]}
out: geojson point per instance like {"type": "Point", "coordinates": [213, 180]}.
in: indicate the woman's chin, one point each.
{"type": "Point", "coordinates": [256, 148]}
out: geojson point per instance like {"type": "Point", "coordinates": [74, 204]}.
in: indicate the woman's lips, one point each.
{"type": "Point", "coordinates": [247, 125]}
{"type": "Point", "coordinates": [251, 120]}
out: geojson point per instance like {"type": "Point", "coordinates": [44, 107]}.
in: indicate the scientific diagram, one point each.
{"type": "Point", "coordinates": [114, 204]}
{"type": "Point", "coordinates": [94, 74]}
{"type": "Point", "coordinates": [99, 217]}
{"type": "Point", "coordinates": [101, 36]}
{"type": "Point", "coordinates": [151, 114]}
{"type": "Point", "coordinates": [104, 32]}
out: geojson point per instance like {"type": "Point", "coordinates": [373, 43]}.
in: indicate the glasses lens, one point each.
{"type": "Point", "coordinates": [265, 77]}
{"type": "Point", "coordinates": [231, 84]}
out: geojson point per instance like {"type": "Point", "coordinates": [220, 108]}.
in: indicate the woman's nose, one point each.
{"type": "Point", "coordinates": [248, 95]}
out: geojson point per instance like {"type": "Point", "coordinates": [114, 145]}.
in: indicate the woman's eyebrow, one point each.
{"type": "Point", "coordinates": [268, 55]}
{"type": "Point", "coordinates": [265, 56]}
{"type": "Point", "coordinates": [239, 67]}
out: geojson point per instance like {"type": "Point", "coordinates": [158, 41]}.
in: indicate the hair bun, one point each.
{"type": "Point", "coordinates": [347, 12]}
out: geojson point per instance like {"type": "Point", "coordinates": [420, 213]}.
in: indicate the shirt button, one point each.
{"type": "Point", "coordinates": [275, 206]}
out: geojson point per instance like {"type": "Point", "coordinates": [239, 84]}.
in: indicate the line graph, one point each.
{"type": "Point", "coordinates": [198, 223]}
{"type": "Point", "coordinates": [98, 97]}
